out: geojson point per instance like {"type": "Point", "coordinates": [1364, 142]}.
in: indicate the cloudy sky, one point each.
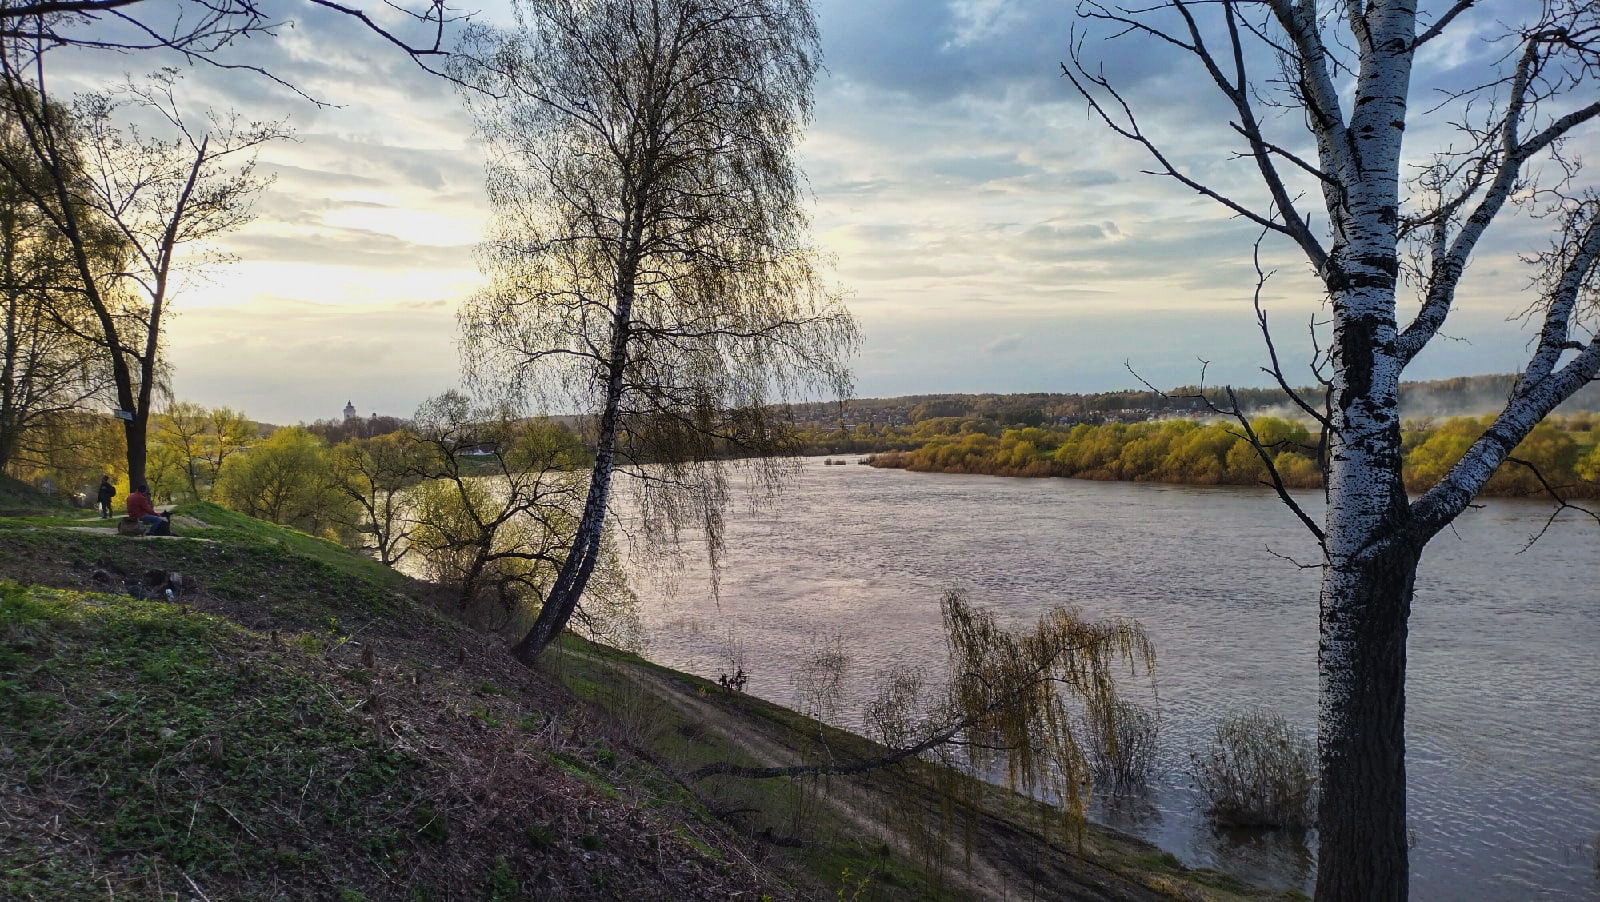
{"type": "Point", "coordinates": [990, 235]}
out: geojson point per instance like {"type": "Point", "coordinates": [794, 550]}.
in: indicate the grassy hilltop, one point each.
{"type": "Point", "coordinates": [302, 723]}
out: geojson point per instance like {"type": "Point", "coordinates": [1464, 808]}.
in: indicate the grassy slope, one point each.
{"type": "Point", "coordinates": [303, 726]}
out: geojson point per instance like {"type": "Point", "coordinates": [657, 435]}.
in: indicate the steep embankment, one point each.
{"type": "Point", "coordinates": [300, 723]}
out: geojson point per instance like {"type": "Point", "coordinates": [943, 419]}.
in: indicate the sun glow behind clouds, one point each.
{"type": "Point", "coordinates": [990, 234]}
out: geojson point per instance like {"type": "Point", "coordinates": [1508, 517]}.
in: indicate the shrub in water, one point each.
{"type": "Point", "coordinates": [1123, 739]}
{"type": "Point", "coordinates": [1259, 772]}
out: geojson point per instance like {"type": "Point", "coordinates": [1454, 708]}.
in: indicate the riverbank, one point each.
{"type": "Point", "coordinates": [300, 721]}
{"type": "Point", "coordinates": [1562, 453]}
{"type": "Point", "coordinates": [1503, 806]}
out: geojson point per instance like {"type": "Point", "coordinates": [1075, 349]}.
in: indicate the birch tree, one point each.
{"type": "Point", "coordinates": [648, 258]}
{"type": "Point", "coordinates": [1344, 70]}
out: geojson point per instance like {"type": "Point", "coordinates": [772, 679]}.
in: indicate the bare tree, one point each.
{"type": "Point", "coordinates": [1345, 71]}
{"type": "Point", "coordinates": [200, 32]}
{"type": "Point", "coordinates": [649, 257]}
{"type": "Point", "coordinates": [155, 196]}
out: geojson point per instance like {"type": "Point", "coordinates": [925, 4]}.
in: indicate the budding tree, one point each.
{"type": "Point", "coordinates": [49, 370]}
{"type": "Point", "coordinates": [648, 259]}
{"type": "Point", "coordinates": [1345, 70]}
{"type": "Point", "coordinates": [158, 197]}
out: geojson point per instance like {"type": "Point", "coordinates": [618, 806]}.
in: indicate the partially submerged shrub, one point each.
{"type": "Point", "coordinates": [1259, 772]}
{"type": "Point", "coordinates": [1123, 740]}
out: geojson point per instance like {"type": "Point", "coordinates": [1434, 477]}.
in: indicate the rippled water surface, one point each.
{"type": "Point", "coordinates": [1504, 710]}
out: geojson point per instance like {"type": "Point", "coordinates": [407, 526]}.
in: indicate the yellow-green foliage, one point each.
{"type": "Point", "coordinates": [76, 449]}
{"type": "Point", "coordinates": [288, 479]}
{"type": "Point", "coordinates": [1021, 694]}
{"type": "Point", "coordinates": [1565, 451]}
{"type": "Point", "coordinates": [1170, 451]}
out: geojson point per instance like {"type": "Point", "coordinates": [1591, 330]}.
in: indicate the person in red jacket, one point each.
{"type": "Point", "coordinates": [140, 508]}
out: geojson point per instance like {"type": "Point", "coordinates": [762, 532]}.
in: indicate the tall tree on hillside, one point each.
{"type": "Point", "coordinates": [649, 258]}
{"type": "Point", "coordinates": [155, 196]}
{"type": "Point", "coordinates": [1345, 69]}
{"type": "Point", "coordinates": [48, 368]}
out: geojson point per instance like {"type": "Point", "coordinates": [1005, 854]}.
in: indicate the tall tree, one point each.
{"type": "Point", "coordinates": [649, 259]}
{"type": "Point", "coordinates": [48, 367]}
{"type": "Point", "coordinates": [1346, 70]}
{"type": "Point", "coordinates": [155, 196]}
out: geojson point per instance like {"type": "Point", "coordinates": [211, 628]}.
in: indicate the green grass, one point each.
{"type": "Point", "coordinates": [182, 744]}
{"type": "Point", "coordinates": [821, 841]}
{"type": "Point", "coordinates": [297, 581]}
{"type": "Point", "coordinates": [236, 528]}
{"type": "Point", "coordinates": [193, 745]}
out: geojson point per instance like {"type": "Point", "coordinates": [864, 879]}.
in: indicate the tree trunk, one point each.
{"type": "Point", "coordinates": [562, 599]}
{"type": "Point", "coordinates": [1362, 661]}
{"type": "Point", "coordinates": [133, 432]}
{"type": "Point", "coordinates": [1365, 598]}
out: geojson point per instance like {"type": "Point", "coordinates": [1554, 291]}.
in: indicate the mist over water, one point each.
{"type": "Point", "coordinates": [1504, 709]}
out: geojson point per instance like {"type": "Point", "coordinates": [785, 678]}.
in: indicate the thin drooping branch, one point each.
{"type": "Point", "coordinates": [203, 30]}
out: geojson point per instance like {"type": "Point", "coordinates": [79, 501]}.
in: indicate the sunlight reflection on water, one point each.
{"type": "Point", "coordinates": [1503, 721]}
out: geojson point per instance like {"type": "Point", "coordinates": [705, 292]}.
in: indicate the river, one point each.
{"type": "Point", "coordinates": [1503, 729]}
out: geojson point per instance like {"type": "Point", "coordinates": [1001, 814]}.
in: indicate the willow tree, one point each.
{"type": "Point", "coordinates": [648, 258]}
{"type": "Point", "coordinates": [1344, 70]}
{"type": "Point", "coordinates": [1014, 701]}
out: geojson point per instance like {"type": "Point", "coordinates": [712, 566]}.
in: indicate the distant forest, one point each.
{"type": "Point", "coordinates": [1460, 396]}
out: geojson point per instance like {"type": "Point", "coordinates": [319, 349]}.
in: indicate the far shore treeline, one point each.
{"type": "Point", "coordinates": [208, 454]}
{"type": "Point", "coordinates": [1562, 453]}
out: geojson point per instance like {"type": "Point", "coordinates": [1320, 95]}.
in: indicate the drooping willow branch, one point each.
{"type": "Point", "coordinates": [1009, 688]}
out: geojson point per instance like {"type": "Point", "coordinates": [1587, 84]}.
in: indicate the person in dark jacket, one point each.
{"type": "Point", "coordinates": [104, 496]}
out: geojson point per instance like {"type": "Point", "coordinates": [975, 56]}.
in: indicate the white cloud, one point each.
{"type": "Point", "coordinates": [993, 234]}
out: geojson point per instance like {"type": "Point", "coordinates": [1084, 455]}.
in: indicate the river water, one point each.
{"type": "Point", "coordinates": [1503, 731]}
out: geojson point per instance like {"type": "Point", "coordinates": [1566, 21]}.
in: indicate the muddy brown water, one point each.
{"type": "Point", "coordinates": [1503, 731]}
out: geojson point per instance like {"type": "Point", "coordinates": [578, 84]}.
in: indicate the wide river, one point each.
{"type": "Point", "coordinates": [1503, 729]}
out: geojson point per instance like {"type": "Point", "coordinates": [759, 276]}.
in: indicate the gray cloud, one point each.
{"type": "Point", "coordinates": [349, 247]}
{"type": "Point", "coordinates": [972, 202]}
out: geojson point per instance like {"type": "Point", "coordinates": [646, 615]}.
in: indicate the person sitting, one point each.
{"type": "Point", "coordinates": [140, 508]}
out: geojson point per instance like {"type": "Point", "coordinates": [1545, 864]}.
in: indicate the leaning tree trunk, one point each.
{"type": "Point", "coordinates": [562, 599]}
